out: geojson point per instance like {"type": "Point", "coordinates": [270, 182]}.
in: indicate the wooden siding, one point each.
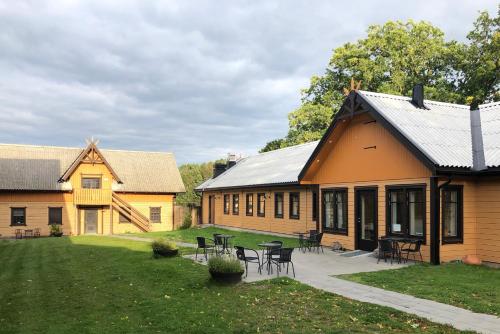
{"type": "Point", "coordinates": [37, 211]}
{"type": "Point", "coordinates": [268, 223]}
{"type": "Point", "coordinates": [365, 151]}
{"type": "Point", "coordinates": [488, 220]}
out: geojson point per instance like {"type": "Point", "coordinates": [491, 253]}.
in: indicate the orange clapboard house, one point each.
{"type": "Point", "coordinates": [387, 166]}
{"type": "Point", "coordinates": [86, 191]}
{"type": "Point", "coordinates": [409, 167]}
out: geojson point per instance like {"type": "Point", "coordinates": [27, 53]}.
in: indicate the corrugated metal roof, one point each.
{"type": "Point", "coordinates": [490, 126]}
{"type": "Point", "coordinates": [442, 132]}
{"type": "Point", "coordinates": [26, 167]}
{"type": "Point", "coordinates": [275, 167]}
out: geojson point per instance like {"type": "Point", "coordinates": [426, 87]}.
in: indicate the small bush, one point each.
{"type": "Point", "coordinates": [224, 264]}
{"type": "Point", "coordinates": [55, 230]}
{"type": "Point", "coordinates": [187, 221]}
{"type": "Point", "coordinates": [162, 247]}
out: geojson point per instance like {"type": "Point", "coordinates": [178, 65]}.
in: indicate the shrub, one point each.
{"type": "Point", "coordinates": [162, 247]}
{"type": "Point", "coordinates": [187, 221]}
{"type": "Point", "coordinates": [225, 264]}
{"type": "Point", "coordinates": [55, 230]}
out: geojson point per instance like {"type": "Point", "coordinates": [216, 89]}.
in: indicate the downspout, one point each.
{"type": "Point", "coordinates": [435, 217]}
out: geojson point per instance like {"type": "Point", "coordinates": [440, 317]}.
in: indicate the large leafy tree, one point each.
{"type": "Point", "coordinates": [481, 63]}
{"type": "Point", "coordinates": [392, 59]}
{"type": "Point", "coordinates": [192, 176]}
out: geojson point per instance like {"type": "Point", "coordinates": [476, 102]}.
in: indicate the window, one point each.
{"type": "Point", "coordinates": [91, 182]}
{"type": "Point", "coordinates": [155, 214]}
{"type": "Point", "coordinates": [278, 205]}
{"type": "Point", "coordinates": [406, 211]}
{"type": "Point", "coordinates": [18, 216]}
{"type": "Point", "coordinates": [249, 205]}
{"type": "Point", "coordinates": [294, 205]}
{"type": "Point", "coordinates": [335, 211]}
{"type": "Point", "coordinates": [314, 206]}
{"type": "Point", "coordinates": [261, 205]}
{"type": "Point", "coordinates": [452, 214]}
{"type": "Point", "coordinates": [55, 216]}
{"type": "Point", "coordinates": [226, 204]}
{"type": "Point", "coordinates": [236, 204]}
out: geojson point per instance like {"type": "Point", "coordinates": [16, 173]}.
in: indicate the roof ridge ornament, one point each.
{"type": "Point", "coordinates": [352, 104]}
{"type": "Point", "coordinates": [355, 86]}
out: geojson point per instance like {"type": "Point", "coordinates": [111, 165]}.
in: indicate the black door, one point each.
{"type": "Point", "coordinates": [211, 209]}
{"type": "Point", "coordinates": [366, 219]}
{"type": "Point", "coordinates": [90, 221]}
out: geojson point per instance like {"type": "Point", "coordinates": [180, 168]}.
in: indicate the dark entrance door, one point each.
{"type": "Point", "coordinates": [366, 219]}
{"type": "Point", "coordinates": [211, 209]}
{"type": "Point", "coordinates": [90, 221]}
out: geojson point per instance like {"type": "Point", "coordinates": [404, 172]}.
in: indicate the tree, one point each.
{"type": "Point", "coordinates": [193, 175]}
{"type": "Point", "coordinates": [481, 63]}
{"type": "Point", "coordinates": [392, 59]}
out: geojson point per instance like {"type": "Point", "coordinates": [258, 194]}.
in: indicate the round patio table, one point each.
{"type": "Point", "coordinates": [225, 242]}
{"type": "Point", "coordinates": [268, 247]}
{"type": "Point", "coordinates": [398, 243]}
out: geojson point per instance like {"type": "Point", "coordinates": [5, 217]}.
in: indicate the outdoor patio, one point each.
{"type": "Point", "coordinates": [311, 265]}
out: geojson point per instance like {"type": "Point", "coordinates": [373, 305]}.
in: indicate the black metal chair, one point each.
{"type": "Point", "coordinates": [240, 254]}
{"type": "Point", "coordinates": [275, 252]}
{"type": "Point", "coordinates": [203, 244]}
{"type": "Point", "coordinates": [285, 257]}
{"type": "Point", "coordinates": [219, 244]}
{"type": "Point", "coordinates": [312, 233]}
{"type": "Point", "coordinates": [302, 243]}
{"type": "Point", "coordinates": [413, 248]}
{"type": "Point", "coordinates": [315, 242]}
{"type": "Point", "coordinates": [385, 247]}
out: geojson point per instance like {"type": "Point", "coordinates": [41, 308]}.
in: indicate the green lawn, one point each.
{"type": "Point", "coordinates": [110, 285]}
{"type": "Point", "coordinates": [476, 288]}
{"type": "Point", "coordinates": [245, 239]}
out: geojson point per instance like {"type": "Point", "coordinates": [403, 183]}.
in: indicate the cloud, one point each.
{"type": "Point", "coordinates": [198, 78]}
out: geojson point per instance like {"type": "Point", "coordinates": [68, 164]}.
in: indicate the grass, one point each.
{"type": "Point", "coordinates": [241, 238]}
{"type": "Point", "coordinates": [476, 288]}
{"type": "Point", "coordinates": [110, 285]}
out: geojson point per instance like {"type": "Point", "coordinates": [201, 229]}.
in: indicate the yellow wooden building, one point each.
{"type": "Point", "coordinates": [86, 191]}
{"type": "Point", "coordinates": [395, 166]}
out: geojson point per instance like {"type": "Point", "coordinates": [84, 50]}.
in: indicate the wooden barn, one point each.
{"type": "Point", "coordinates": [85, 191]}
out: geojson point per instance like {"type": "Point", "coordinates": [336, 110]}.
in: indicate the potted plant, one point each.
{"type": "Point", "coordinates": [164, 248]}
{"type": "Point", "coordinates": [55, 231]}
{"type": "Point", "coordinates": [227, 269]}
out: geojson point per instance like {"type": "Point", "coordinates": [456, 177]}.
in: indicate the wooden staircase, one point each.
{"type": "Point", "coordinates": [127, 210]}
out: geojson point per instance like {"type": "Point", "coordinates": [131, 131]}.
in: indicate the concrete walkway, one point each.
{"type": "Point", "coordinates": [317, 270]}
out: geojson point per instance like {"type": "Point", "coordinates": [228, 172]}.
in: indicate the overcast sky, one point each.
{"type": "Point", "coordinates": [197, 78]}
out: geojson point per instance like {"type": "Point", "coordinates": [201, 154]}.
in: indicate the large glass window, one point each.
{"type": "Point", "coordinates": [55, 216]}
{"type": "Point", "coordinates": [335, 211]}
{"type": "Point", "coordinates": [91, 182]}
{"type": "Point", "coordinates": [406, 211]}
{"type": "Point", "coordinates": [261, 205]}
{"type": "Point", "coordinates": [226, 204]}
{"type": "Point", "coordinates": [17, 216]}
{"type": "Point", "coordinates": [452, 214]}
{"type": "Point", "coordinates": [295, 205]}
{"type": "Point", "coordinates": [236, 204]}
{"type": "Point", "coordinates": [155, 214]}
{"type": "Point", "coordinates": [249, 206]}
{"type": "Point", "coordinates": [278, 205]}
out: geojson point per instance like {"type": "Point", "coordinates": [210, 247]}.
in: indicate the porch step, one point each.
{"type": "Point", "coordinates": [355, 253]}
